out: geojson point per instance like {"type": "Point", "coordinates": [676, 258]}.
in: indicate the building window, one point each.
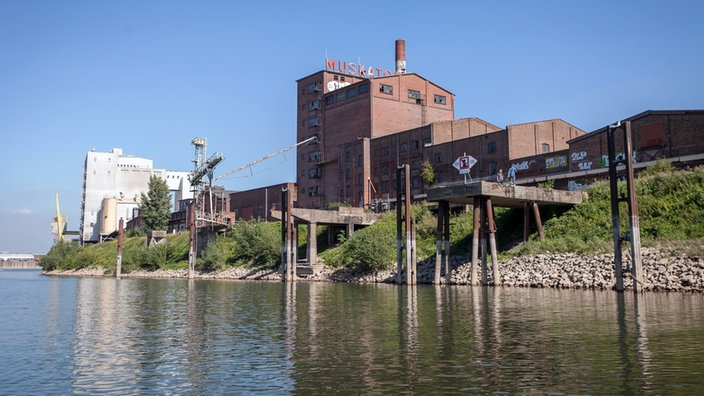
{"type": "Point", "coordinates": [404, 147]}
{"type": "Point", "coordinates": [440, 99]}
{"type": "Point", "coordinates": [491, 148]}
{"type": "Point", "coordinates": [415, 182]}
{"type": "Point", "coordinates": [314, 173]}
{"type": "Point", "coordinates": [340, 96]}
{"type": "Point", "coordinates": [351, 92]}
{"type": "Point", "coordinates": [364, 88]}
{"type": "Point", "coordinates": [348, 193]}
{"type": "Point", "coordinates": [314, 122]}
{"type": "Point", "coordinates": [348, 156]}
{"type": "Point", "coordinates": [415, 145]}
{"type": "Point", "coordinates": [546, 148]}
{"type": "Point", "coordinates": [348, 174]}
{"type": "Point", "coordinates": [360, 160]}
{"type": "Point", "coordinates": [314, 105]}
{"type": "Point", "coordinates": [438, 158]}
{"type": "Point", "coordinates": [314, 156]}
{"type": "Point", "coordinates": [314, 87]}
{"type": "Point", "coordinates": [387, 89]}
{"type": "Point", "coordinates": [415, 164]}
{"type": "Point", "coordinates": [493, 168]}
{"type": "Point", "coordinates": [413, 94]}
{"type": "Point", "coordinates": [330, 99]}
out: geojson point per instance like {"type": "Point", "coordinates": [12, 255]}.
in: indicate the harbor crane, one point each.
{"type": "Point", "coordinates": [59, 223]}
{"type": "Point", "coordinates": [206, 167]}
{"type": "Point", "coordinates": [266, 157]}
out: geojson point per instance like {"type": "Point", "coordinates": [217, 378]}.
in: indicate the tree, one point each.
{"type": "Point", "coordinates": [156, 205]}
{"type": "Point", "coordinates": [427, 172]}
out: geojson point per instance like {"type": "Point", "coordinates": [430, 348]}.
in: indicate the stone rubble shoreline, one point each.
{"type": "Point", "coordinates": [663, 270]}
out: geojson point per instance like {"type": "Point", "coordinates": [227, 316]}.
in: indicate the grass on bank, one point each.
{"type": "Point", "coordinates": [671, 208]}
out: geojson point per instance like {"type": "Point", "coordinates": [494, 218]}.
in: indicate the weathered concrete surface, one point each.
{"type": "Point", "coordinates": [503, 195]}
{"type": "Point", "coordinates": [342, 215]}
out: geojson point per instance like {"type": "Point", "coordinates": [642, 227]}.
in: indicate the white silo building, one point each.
{"type": "Point", "coordinates": [112, 187]}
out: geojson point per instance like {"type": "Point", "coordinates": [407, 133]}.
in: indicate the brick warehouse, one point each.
{"type": "Point", "coordinates": [369, 121]}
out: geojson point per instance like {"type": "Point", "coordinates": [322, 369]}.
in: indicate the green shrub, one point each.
{"type": "Point", "coordinates": [213, 257]}
{"type": "Point", "coordinates": [162, 256]}
{"type": "Point", "coordinates": [60, 256]}
{"type": "Point", "coordinates": [372, 248]}
{"type": "Point", "coordinates": [257, 243]}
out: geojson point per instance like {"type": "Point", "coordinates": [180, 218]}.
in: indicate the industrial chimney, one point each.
{"type": "Point", "coordinates": [400, 56]}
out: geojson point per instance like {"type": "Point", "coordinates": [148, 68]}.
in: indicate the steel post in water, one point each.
{"type": "Point", "coordinates": [615, 222]}
{"type": "Point", "coordinates": [438, 242]}
{"type": "Point", "coordinates": [492, 240]}
{"type": "Point", "coordinates": [482, 235]}
{"type": "Point", "coordinates": [636, 263]}
{"type": "Point", "coordinates": [410, 230]}
{"type": "Point", "coordinates": [120, 237]}
{"type": "Point", "coordinates": [291, 239]}
{"type": "Point", "coordinates": [399, 222]}
{"type": "Point", "coordinates": [446, 238]}
{"type": "Point", "coordinates": [474, 266]}
{"type": "Point", "coordinates": [192, 245]}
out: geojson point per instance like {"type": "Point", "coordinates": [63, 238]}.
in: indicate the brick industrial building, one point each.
{"type": "Point", "coordinates": [367, 126]}
{"type": "Point", "coordinates": [368, 121]}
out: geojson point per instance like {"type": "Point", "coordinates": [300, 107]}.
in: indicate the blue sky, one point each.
{"type": "Point", "coordinates": [148, 76]}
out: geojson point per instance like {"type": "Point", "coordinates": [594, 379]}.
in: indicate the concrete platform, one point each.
{"type": "Point", "coordinates": [340, 216]}
{"type": "Point", "coordinates": [502, 194]}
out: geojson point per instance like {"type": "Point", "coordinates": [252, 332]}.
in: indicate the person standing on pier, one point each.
{"type": "Point", "coordinates": [512, 174]}
{"type": "Point", "coordinates": [500, 176]}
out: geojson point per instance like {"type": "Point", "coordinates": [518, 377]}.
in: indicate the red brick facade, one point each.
{"type": "Point", "coordinates": [256, 203]}
{"type": "Point", "coordinates": [341, 109]}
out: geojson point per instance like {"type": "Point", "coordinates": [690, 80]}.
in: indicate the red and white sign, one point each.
{"type": "Point", "coordinates": [464, 163]}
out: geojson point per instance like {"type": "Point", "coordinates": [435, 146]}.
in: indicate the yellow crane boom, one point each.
{"type": "Point", "coordinates": [59, 221]}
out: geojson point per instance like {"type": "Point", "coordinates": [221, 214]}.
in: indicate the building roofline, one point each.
{"type": "Point", "coordinates": [414, 74]}
{"type": "Point", "coordinates": [548, 120]}
{"type": "Point", "coordinates": [637, 116]}
{"type": "Point", "coordinates": [372, 78]}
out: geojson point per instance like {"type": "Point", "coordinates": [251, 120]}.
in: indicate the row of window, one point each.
{"type": "Point", "coordinates": [412, 94]}
{"type": "Point", "coordinates": [342, 94]}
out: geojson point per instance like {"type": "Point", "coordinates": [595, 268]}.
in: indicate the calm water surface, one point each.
{"type": "Point", "coordinates": [142, 336]}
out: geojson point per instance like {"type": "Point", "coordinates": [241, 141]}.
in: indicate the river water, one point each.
{"type": "Point", "coordinates": [174, 336]}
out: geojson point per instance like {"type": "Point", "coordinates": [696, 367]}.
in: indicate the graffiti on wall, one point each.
{"type": "Point", "coordinates": [620, 156]}
{"type": "Point", "coordinates": [523, 165]}
{"type": "Point", "coordinates": [555, 162]}
{"type": "Point", "coordinates": [579, 159]}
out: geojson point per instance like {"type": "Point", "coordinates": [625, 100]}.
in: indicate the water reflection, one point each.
{"type": "Point", "coordinates": [220, 337]}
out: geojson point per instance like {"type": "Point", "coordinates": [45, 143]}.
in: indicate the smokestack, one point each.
{"type": "Point", "coordinates": [400, 57]}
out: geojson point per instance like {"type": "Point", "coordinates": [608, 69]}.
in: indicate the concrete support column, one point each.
{"type": "Point", "coordinates": [312, 243]}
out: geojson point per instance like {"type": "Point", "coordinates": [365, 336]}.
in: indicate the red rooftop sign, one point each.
{"type": "Point", "coordinates": [355, 69]}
